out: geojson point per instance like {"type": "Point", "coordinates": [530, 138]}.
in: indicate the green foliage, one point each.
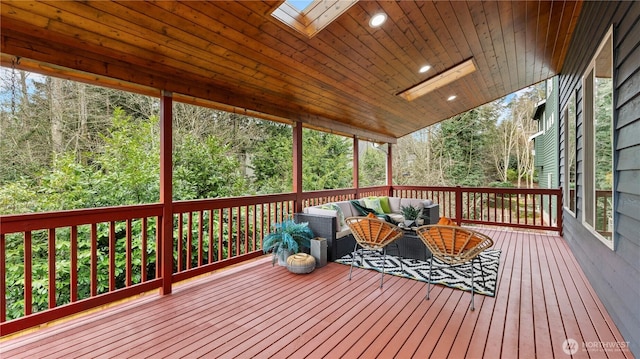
{"type": "Point", "coordinates": [409, 212]}
{"type": "Point", "coordinates": [373, 168]}
{"type": "Point", "coordinates": [203, 169]}
{"type": "Point", "coordinates": [287, 235]}
{"type": "Point", "coordinates": [463, 140]}
{"type": "Point", "coordinates": [327, 161]}
{"type": "Point", "coordinates": [130, 162]}
{"type": "Point", "coordinates": [271, 161]}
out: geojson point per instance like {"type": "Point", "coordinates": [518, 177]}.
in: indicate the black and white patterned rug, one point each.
{"type": "Point", "coordinates": [454, 277]}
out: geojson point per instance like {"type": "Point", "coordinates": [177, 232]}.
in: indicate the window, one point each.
{"type": "Point", "coordinates": [569, 114]}
{"type": "Point", "coordinates": [598, 142]}
{"type": "Point", "coordinates": [309, 17]}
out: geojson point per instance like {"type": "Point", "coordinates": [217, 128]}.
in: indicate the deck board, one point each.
{"type": "Point", "coordinates": [256, 310]}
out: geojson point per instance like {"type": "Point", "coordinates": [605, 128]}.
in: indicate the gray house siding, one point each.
{"type": "Point", "coordinates": [614, 274]}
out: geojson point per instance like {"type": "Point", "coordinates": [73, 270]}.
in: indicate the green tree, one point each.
{"type": "Point", "coordinates": [373, 167]}
{"type": "Point", "coordinates": [203, 169]}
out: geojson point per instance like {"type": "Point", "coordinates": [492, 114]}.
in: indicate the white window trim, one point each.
{"type": "Point", "coordinates": [590, 68]}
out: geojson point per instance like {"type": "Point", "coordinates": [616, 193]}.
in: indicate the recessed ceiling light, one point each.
{"type": "Point", "coordinates": [378, 19]}
{"type": "Point", "coordinates": [451, 98]}
{"type": "Point", "coordinates": [425, 68]}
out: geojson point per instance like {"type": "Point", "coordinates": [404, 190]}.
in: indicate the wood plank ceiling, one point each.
{"type": "Point", "coordinates": [346, 78]}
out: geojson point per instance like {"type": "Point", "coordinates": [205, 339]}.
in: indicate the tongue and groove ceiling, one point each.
{"type": "Point", "coordinates": [345, 78]}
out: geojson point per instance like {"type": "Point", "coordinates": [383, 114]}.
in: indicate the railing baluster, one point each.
{"type": "Point", "coordinates": [28, 270]}
{"type": "Point", "coordinates": [158, 246]}
{"type": "Point", "coordinates": [230, 233]}
{"type": "Point", "coordinates": [253, 233]}
{"type": "Point", "coordinates": [73, 270]}
{"type": "Point", "coordinates": [200, 238]}
{"type": "Point", "coordinates": [128, 255]}
{"type": "Point", "coordinates": [220, 234]}
{"type": "Point", "coordinates": [3, 279]}
{"type": "Point", "coordinates": [94, 259]}
{"type": "Point", "coordinates": [52, 267]}
{"type": "Point", "coordinates": [143, 250]}
{"type": "Point", "coordinates": [179, 269]}
{"type": "Point", "coordinates": [189, 245]}
{"type": "Point", "coordinates": [210, 254]}
{"type": "Point", "coordinates": [112, 256]}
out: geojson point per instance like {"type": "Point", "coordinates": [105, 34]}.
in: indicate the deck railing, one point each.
{"type": "Point", "coordinates": [533, 208]}
{"type": "Point", "coordinates": [108, 254]}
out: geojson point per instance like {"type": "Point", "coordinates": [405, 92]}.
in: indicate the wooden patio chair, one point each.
{"type": "Point", "coordinates": [373, 234]}
{"type": "Point", "coordinates": [454, 246]}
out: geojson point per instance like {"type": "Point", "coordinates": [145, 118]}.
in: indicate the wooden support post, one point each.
{"type": "Point", "coordinates": [297, 166]}
{"type": "Point", "coordinates": [559, 210]}
{"type": "Point", "coordinates": [165, 258]}
{"type": "Point", "coordinates": [458, 201]}
{"type": "Point", "coordinates": [356, 162]}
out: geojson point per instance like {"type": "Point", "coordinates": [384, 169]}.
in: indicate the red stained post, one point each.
{"type": "Point", "coordinates": [390, 168]}
{"type": "Point", "coordinates": [356, 164]}
{"type": "Point", "coordinates": [297, 165]}
{"type": "Point", "coordinates": [94, 259]}
{"type": "Point", "coordinates": [143, 251]}
{"type": "Point", "coordinates": [458, 201]}
{"type": "Point", "coordinates": [3, 280]}
{"type": "Point", "coordinates": [52, 268]}
{"type": "Point", "coordinates": [559, 207]}
{"type": "Point", "coordinates": [28, 288]}
{"type": "Point", "coordinates": [166, 193]}
{"type": "Point", "coordinates": [73, 275]}
{"type": "Point", "coordinates": [128, 255]}
{"type": "Point", "coordinates": [112, 256]}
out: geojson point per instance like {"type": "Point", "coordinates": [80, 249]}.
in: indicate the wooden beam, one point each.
{"type": "Point", "coordinates": [356, 162]}
{"type": "Point", "coordinates": [389, 165]}
{"type": "Point", "coordinates": [297, 165]}
{"type": "Point", "coordinates": [166, 193]}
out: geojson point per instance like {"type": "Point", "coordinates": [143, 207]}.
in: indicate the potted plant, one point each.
{"type": "Point", "coordinates": [410, 214]}
{"type": "Point", "coordinates": [287, 237]}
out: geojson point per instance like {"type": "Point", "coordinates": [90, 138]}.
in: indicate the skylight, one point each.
{"type": "Point", "coordinates": [309, 17]}
{"type": "Point", "coordinates": [300, 5]}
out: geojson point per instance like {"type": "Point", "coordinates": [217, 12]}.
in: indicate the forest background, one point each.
{"type": "Point", "coordinates": [68, 145]}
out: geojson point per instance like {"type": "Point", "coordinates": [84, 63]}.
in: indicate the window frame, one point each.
{"type": "Point", "coordinates": [588, 190]}
{"type": "Point", "coordinates": [568, 152]}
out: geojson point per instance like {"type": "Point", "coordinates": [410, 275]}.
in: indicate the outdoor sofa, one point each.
{"type": "Point", "coordinates": [328, 221]}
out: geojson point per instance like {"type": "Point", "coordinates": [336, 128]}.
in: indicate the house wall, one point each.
{"type": "Point", "coordinates": [614, 274]}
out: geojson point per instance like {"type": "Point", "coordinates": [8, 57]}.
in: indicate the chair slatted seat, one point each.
{"type": "Point", "coordinates": [454, 245]}
{"type": "Point", "coordinates": [372, 234]}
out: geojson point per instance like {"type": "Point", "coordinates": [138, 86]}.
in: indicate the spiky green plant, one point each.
{"type": "Point", "coordinates": [287, 235]}
{"type": "Point", "coordinates": [410, 212]}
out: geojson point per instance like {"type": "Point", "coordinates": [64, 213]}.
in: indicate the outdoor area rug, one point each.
{"type": "Point", "coordinates": [454, 277]}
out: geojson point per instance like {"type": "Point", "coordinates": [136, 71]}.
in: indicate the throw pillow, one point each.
{"type": "Point", "coordinates": [444, 221]}
{"type": "Point", "coordinates": [339, 213]}
{"type": "Point", "coordinates": [374, 204]}
{"type": "Point", "coordinates": [384, 203]}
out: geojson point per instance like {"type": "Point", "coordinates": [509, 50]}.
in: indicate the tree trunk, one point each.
{"type": "Point", "coordinates": [57, 103]}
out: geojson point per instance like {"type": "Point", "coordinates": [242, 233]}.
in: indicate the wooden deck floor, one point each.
{"type": "Point", "coordinates": [256, 310]}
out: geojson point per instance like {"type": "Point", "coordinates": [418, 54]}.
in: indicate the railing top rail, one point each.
{"type": "Point", "coordinates": [227, 202]}
{"type": "Point", "coordinates": [46, 220]}
{"type": "Point", "coordinates": [332, 192]}
{"type": "Point", "coordinates": [484, 189]}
